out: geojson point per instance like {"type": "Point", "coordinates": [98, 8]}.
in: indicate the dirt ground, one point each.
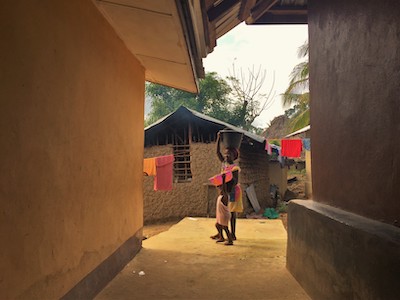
{"type": "Point", "coordinates": [154, 229]}
{"type": "Point", "coordinates": [184, 263]}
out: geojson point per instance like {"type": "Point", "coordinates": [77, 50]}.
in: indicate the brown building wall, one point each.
{"type": "Point", "coordinates": [339, 246]}
{"type": "Point", "coordinates": [354, 84]}
{"type": "Point", "coordinates": [71, 146]}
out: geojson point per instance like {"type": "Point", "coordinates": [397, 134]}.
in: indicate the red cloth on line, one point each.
{"type": "Point", "coordinates": [291, 148]}
{"type": "Point", "coordinates": [163, 179]}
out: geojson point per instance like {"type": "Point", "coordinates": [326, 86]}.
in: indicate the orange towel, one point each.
{"type": "Point", "coordinates": [217, 179]}
{"type": "Point", "coordinates": [149, 166]}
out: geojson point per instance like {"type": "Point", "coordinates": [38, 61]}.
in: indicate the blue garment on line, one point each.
{"type": "Point", "coordinates": [307, 144]}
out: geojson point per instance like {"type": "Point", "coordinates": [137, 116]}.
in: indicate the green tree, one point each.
{"type": "Point", "coordinates": [297, 94]}
{"type": "Point", "coordinates": [212, 100]}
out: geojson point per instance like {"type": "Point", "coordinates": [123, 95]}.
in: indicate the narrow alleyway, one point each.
{"type": "Point", "coordinates": [184, 263]}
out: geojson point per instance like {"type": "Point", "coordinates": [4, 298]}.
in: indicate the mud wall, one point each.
{"type": "Point", "coordinates": [186, 199]}
{"type": "Point", "coordinates": [254, 164]}
{"type": "Point", "coordinates": [197, 198]}
{"type": "Point", "coordinates": [71, 128]}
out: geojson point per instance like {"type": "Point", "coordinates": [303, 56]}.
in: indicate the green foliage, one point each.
{"type": "Point", "coordinates": [297, 93]}
{"type": "Point", "coordinates": [281, 207]}
{"type": "Point", "coordinates": [212, 100]}
{"type": "Point", "coordinates": [275, 142]}
{"type": "Point", "coordinates": [216, 98]}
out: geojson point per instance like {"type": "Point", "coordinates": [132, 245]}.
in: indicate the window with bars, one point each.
{"type": "Point", "coordinates": [182, 171]}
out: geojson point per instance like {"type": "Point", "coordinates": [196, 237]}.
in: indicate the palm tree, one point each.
{"type": "Point", "coordinates": [297, 93]}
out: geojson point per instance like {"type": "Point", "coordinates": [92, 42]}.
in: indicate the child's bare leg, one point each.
{"type": "Point", "coordinates": [233, 225]}
{"type": "Point", "coordinates": [230, 241]}
{"type": "Point", "coordinates": [221, 236]}
{"type": "Point", "coordinates": [216, 236]}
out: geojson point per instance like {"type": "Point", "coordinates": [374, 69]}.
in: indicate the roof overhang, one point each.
{"type": "Point", "coordinates": [171, 37]}
{"type": "Point", "coordinates": [224, 15]}
{"type": "Point", "coordinates": [166, 36]}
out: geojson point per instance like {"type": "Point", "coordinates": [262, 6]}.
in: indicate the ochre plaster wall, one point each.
{"type": "Point", "coordinates": [308, 183]}
{"type": "Point", "coordinates": [71, 146]}
{"type": "Point", "coordinates": [354, 85]}
{"type": "Point", "coordinates": [278, 176]}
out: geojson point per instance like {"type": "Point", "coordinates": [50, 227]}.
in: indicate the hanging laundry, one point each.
{"type": "Point", "coordinates": [164, 178]}
{"type": "Point", "coordinates": [291, 148]}
{"type": "Point", "coordinates": [307, 144]}
{"type": "Point", "coordinates": [268, 147]}
{"type": "Point", "coordinates": [149, 166]}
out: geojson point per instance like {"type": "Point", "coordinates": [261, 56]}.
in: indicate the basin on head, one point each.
{"type": "Point", "coordinates": [231, 138]}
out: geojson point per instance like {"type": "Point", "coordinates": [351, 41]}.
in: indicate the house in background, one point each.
{"type": "Point", "coordinates": [301, 134]}
{"type": "Point", "coordinates": [190, 136]}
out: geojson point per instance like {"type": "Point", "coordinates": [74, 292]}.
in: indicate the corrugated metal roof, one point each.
{"type": "Point", "coordinates": [182, 110]}
{"type": "Point", "coordinates": [304, 129]}
{"type": "Point", "coordinates": [216, 121]}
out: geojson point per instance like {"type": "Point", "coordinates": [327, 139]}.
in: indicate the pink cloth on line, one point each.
{"type": "Point", "coordinates": [268, 147]}
{"type": "Point", "coordinates": [223, 214]}
{"type": "Point", "coordinates": [163, 179]}
{"type": "Point", "coordinates": [291, 148]}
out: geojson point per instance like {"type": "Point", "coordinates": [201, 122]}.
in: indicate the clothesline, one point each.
{"type": "Point", "coordinates": [289, 147]}
{"type": "Point", "coordinates": [161, 168]}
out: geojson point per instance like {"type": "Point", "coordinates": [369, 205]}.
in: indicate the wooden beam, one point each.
{"type": "Point", "coordinates": [270, 18]}
{"type": "Point", "coordinates": [245, 9]}
{"type": "Point", "coordinates": [227, 26]}
{"type": "Point", "coordinates": [216, 12]}
{"type": "Point", "coordinates": [208, 3]}
{"type": "Point", "coordinates": [260, 10]}
{"type": "Point", "coordinates": [213, 35]}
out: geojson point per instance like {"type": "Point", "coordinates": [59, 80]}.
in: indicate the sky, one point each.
{"type": "Point", "coordinates": [271, 47]}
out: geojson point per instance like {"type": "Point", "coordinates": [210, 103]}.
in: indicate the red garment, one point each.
{"type": "Point", "coordinates": [163, 179]}
{"type": "Point", "coordinates": [291, 148]}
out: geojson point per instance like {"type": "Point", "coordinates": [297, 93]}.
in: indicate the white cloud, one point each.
{"type": "Point", "coordinates": [273, 47]}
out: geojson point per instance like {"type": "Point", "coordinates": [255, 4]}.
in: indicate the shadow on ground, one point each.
{"type": "Point", "coordinates": [184, 263]}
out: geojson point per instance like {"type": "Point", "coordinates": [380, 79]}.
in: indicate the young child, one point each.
{"type": "Point", "coordinates": [233, 187]}
{"type": "Point", "coordinates": [223, 214]}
